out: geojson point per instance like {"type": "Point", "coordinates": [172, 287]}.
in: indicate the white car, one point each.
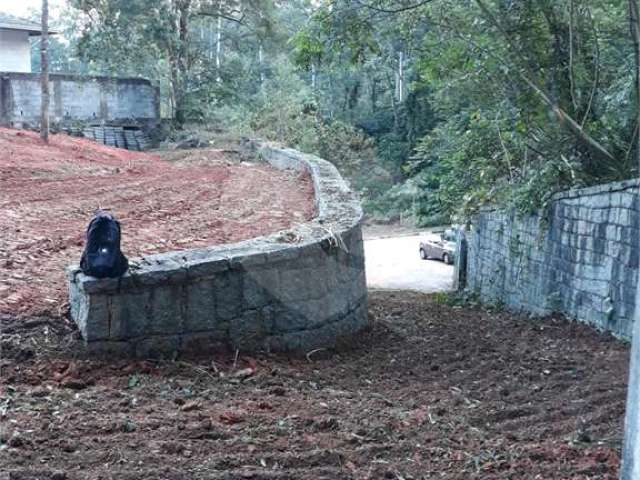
{"type": "Point", "coordinates": [440, 247]}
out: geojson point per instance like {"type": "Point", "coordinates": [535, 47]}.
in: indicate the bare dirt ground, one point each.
{"type": "Point", "coordinates": [430, 391]}
{"type": "Point", "coordinates": [189, 199]}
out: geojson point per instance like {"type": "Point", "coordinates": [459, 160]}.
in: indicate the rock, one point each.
{"type": "Point", "coordinates": [190, 406]}
{"type": "Point", "coordinates": [40, 392]}
{"type": "Point", "coordinates": [244, 373]}
{"type": "Point", "coordinates": [172, 448]}
{"type": "Point", "coordinates": [128, 426]}
{"type": "Point", "coordinates": [278, 391]}
{"type": "Point", "coordinates": [74, 383]}
{"type": "Point", "coordinates": [327, 424]}
{"type": "Point", "coordinates": [16, 440]}
{"type": "Point", "coordinates": [67, 446]}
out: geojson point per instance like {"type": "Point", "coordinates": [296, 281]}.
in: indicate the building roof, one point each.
{"type": "Point", "coordinates": [10, 22]}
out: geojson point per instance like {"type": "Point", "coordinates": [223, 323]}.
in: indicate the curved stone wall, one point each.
{"type": "Point", "coordinates": [298, 289]}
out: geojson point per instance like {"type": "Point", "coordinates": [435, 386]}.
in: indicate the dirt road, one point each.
{"type": "Point", "coordinates": [394, 264]}
{"type": "Point", "coordinates": [430, 391]}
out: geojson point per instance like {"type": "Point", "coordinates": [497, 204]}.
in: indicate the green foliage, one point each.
{"type": "Point", "coordinates": [285, 111]}
{"type": "Point", "coordinates": [432, 109]}
{"type": "Point", "coordinates": [497, 141]}
{"type": "Point", "coordinates": [308, 49]}
{"type": "Point", "coordinates": [443, 298]}
{"type": "Point", "coordinates": [471, 129]}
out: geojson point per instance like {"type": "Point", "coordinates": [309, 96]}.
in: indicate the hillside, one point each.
{"type": "Point", "coordinates": [50, 192]}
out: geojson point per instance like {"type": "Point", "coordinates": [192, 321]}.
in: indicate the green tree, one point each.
{"type": "Point", "coordinates": [525, 97]}
{"type": "Point", "coordinates": [154, 39]}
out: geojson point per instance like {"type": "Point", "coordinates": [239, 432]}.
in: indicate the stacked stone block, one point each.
{"type": "Point", "coordinates": [579, 258]}
{"type": "Point", "coordinates": [296, 290]}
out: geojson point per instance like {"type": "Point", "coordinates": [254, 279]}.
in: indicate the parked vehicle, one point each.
{"type": "Point", "coordinates": [439, 246]}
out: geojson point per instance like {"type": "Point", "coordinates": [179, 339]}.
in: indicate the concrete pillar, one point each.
{"type": "Point", "coordinates": [631, 452]}
{"type": "Point", "coordinates": [6, 102]}
{"type": "Point", "coordinates": [460, 264]}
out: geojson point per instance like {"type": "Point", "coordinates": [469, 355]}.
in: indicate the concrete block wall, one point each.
{"type": "Point", "coordinates": [76, 98]}
{"type": "Point", "coordinates": [580, 258]}
{"type": "Point", "coordinates": [296, 290]}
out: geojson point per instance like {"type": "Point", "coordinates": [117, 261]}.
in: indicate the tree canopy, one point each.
{"type": "Point", "coordinates": [433, 108]}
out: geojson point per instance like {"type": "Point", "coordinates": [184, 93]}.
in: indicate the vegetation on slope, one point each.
{"type": "Point", "coordinates": [433, 108]}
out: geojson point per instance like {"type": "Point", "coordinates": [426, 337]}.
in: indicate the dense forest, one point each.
{"type": "Point", "coordinates": [433, 108]}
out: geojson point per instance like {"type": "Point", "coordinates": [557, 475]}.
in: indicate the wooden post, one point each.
{"type": "Point", "coordinates": [44, 74]}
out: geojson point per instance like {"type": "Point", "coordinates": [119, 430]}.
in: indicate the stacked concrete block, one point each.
{"type": "Point", "coordinates": [579, 258]}
{"type": "Point", "coordinates": [265, 293]}
{"type": "Point", "coordinates": [130, 138]}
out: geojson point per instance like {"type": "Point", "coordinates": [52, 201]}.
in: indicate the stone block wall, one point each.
{"type": "Point", "coordinates": [76, 98]}
{"type": "Point", "coordinates": [299, 289]}
{"type": "Point", "coordinates": [579, 258]}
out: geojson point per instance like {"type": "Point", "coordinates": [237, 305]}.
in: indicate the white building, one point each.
{"type": "Point", "coordinates": [15, 44]}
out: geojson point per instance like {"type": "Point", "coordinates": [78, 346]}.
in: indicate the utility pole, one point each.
{"type": "Point", "coordinates": [630, 469]}
{"type": "Point", "coordinates": [219, 43]}
{"type": "Point", "coordinates": [44, 74]}
{"type": "Point", "coordinates": [634, 19]}
{"type": "Point", "coordinates": [400, 76]}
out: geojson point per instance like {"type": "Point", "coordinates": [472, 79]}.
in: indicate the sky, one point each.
{"type": "Point", "coordinates": [22, 8]}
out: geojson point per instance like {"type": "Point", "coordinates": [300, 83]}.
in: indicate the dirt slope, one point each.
{"type": "Point", "coordinates": [431, 391]}
{"type": "Point", "coordinates": [49, 193]}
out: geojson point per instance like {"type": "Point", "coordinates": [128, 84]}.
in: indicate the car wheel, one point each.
{"type": "Point", "coordinates": [446, 259]}
{"type": "Point", "coordinates": [423, 254]}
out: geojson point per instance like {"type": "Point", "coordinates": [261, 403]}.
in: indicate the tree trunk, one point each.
{"type": "Point", "coordinates": [180, 64]}
{"type": "Point", "coordinates": [400, 76]}
{"type": "Point", "coordinates": [44, 74]}
{"type": "Point", "coordinates": [261, 66]}
{"type": "Point", "coordinates": [530, 78]}
{"type": "Point", "coordinates": [219, 43]}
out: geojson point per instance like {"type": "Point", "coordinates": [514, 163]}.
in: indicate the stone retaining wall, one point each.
{"type": "Point", "coordinates": [580, 258]}
{"type": "Point", "coordinates": [299, 289]}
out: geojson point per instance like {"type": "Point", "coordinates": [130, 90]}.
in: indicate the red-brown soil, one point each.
{"type": "Point", "coordinates": [48, 194]}
{"type": "Point", "coordinates": [431, 391]}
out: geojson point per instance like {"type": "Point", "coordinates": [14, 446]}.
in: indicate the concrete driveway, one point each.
{"type": "Point", "coordinates": [394, 263]}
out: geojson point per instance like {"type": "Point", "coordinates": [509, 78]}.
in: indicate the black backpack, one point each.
{"type": "Point", "coordinates": [102, 257]}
